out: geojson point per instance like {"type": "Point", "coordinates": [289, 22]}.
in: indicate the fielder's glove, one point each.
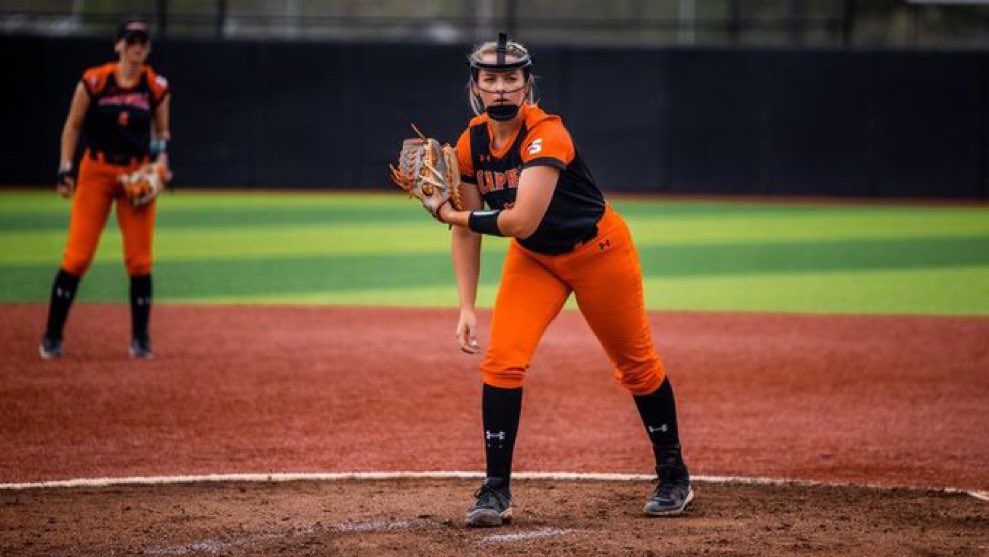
{"type": "Point", "coordinates": [429, 172]}
{"type": "Point", "coordinates": [144, 184]}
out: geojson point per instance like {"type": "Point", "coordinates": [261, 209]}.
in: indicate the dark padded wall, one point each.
{"type": "Point", "coordinates": [719, 122]}
{"type": "Point", "coordinates": [291, 114]}
{"type": "Point", "coordinates": [809, 148]}
{"type": "Point", "coordinates": [932, 124]}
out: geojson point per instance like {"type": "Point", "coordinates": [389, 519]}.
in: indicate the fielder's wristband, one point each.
{"type": "Point", "coordinates": [484, 222]}
{"type": "Point", "coordinates": [64, 177]}
{"type": "Point", "coordinates": [158, 147]}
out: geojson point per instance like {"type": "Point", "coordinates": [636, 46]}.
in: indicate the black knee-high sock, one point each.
{"type": "Point", "coordinates": [659, 414]}
{"type": "Point", "coordinates": [501, 409]}
{"type": "Point", "coordinates": [140, 305]}
{"type": "Point", "coordinates": [63, 292]}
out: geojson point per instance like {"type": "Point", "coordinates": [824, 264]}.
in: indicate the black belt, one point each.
{"type": "Point", "coordinates": [114, 158]}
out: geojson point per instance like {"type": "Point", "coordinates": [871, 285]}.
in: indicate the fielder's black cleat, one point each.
{"type": "Point", "coordinates": [493, 506]}
{"type": "Point", "coordinates": [140, 349]}
{"type": "Point", "coordinates": [673, 492]}
{"type": "Point", "coordinates": [50, 348]}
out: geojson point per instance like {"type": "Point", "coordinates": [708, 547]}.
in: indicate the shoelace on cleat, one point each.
{"type": "Point", "coordinates": [666, 483]}
{"type": "Point", "coordinates": [664, 491]}
{"type": "Point", "coordinates": [484, 496]}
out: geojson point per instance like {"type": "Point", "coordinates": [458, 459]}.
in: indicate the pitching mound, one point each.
{"type": "Point", "coordinates": [425, 517]}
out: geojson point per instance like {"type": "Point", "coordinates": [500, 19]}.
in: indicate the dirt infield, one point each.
{"type": "Point", "coordinates": [893, 401]}
{"type": "Point", "coordinates": [426, 518]}
{"type": "Point", "coordinates": [888, 400]}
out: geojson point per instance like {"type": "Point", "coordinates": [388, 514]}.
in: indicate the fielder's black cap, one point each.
{"type": "Point", "coordinates": [133, 27]}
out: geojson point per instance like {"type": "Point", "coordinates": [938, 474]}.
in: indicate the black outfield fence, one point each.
{"type": "Point", "coordinates": [332, 115]}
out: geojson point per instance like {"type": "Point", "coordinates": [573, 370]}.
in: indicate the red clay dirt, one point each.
{"type": "Point", "coordinates": [426, 518]}
{"type": "Point", "coordinates": [887, 400]}
{"type": "Point", "coordinates": [894, 401]}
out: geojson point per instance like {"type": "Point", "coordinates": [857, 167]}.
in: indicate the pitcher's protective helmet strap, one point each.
{"type": "Point", "coordinates": [501, 62]}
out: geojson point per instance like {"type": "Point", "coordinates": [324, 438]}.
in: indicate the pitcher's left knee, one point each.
{"type": "Point", "coordinates": [138, 264]}
{"type": "Point", "coordinates": [641, 378]}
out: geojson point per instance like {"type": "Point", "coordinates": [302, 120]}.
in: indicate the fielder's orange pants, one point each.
{"type": "Point", "coordinates": [96, 190]}
{"type": "Point", "coordinates": [605, 276]}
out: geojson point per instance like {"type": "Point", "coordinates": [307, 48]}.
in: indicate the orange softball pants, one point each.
{"type": "Point", "coordinates": [96, 189]}
{"type": "Point", "coordinates": [605, 276]}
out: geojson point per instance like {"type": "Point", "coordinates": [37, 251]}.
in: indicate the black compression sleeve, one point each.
{"type": "Point", "coordinates": [484, 222]}
{"type": "Point", "coordinates": [500, 411]}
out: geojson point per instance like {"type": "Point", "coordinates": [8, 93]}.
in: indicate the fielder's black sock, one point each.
{"type": "Point", "coordinates": [63, 292]}
{"type": "Point", "coordinates": [140, 305]}
{"type": "Point", "coordinates": [659, 414]}
{"type": "Point", "coordinates": [501, 409]}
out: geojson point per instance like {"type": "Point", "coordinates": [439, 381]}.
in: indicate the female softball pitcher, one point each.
{"type": "Point", "coordinates": [114, 105]}
{"type": "Point", "coordinates": [522, 163]}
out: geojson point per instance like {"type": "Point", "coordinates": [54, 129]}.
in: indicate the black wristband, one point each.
{"type": "Point", "coordinates": [64, 177]}
{"type": "Point", "coordinates": [484, 222]}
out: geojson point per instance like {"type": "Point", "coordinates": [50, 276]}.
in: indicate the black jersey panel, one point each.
{"type": "Point", "coordinates": [573, 212]}
{"type": "Point", "coordinates": [118, 122]}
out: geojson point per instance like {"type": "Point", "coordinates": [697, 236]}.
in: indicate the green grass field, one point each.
{"type": "Point", "coordinates": [379, 249]}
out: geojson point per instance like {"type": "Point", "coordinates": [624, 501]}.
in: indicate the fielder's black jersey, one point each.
{"type": "Point", "coordinates": [577, 204]}
{"type": "Point", "coordinates": [118, 122]}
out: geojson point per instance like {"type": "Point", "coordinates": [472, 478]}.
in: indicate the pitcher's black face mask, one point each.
{"type": "Point", "coordinates": [501, 110]}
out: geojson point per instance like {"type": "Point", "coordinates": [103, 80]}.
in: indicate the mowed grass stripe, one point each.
{"type": "Point", "coordinates": [44, 211]}
{"type": "Point", "coordinates": [879, 292]}
{"type": "Point", "coordinates": [943, 291]}
{"type": "Point", "coordinates": [348, 273]}
{"type": "Point", "coordinates": [685, 220]}
{"type": "Point", "coordinates": [785, 226]}
{"type": "Point", "coordinates": [169, 217]}
{"type": "Point", "coordinates": [797, 253]}
{"type": "Point", "coordinates": [737, 259]}
{"type": "Point", "coordinates": [21, 200]}
{"type": "Point", "coordinates": [396, 240]}
{"type": "Point", "coordinates": [254, 242]}
{"type": "Point", "coordinates": [251, 277]}
{"type": "Point", "coordinates": [421, 235]}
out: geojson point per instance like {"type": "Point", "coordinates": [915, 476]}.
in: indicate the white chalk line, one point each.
{"type": "Point", "coordinates": [214, 546]}
{"type": "Point", "coordinates": [456, 475]}
{"type": "Point", "coordinates": [530, 535]}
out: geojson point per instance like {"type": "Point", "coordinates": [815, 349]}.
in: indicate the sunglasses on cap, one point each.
{"type": "Point", "coordinates": [136, 37]}
{"type": "Point", "coordinates": [133, 31]}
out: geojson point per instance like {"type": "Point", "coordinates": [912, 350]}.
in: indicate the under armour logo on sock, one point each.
{"type": "Point", "coordinates": [490, 435]}
{"type": "Point", "coordinates": [662, 429]}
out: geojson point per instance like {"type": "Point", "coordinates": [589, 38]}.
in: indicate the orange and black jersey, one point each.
{"type": "Point", "coordinates": [118, 122]}
{"type": "Point", "coordinates": [577, 204]}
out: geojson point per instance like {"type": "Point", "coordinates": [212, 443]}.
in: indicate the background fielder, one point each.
{"type": "Point", "coordinates": [114, 106]}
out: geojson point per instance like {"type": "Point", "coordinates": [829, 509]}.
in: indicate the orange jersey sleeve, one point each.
{"type": "Point", "coordinates": [94, 79]}
{"type": "Point", "coordinates": [158, 84]}
{"type": "Point", "coordinates": [463, 157]}
{"type": "Point", "coordinates": [547, 144]}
